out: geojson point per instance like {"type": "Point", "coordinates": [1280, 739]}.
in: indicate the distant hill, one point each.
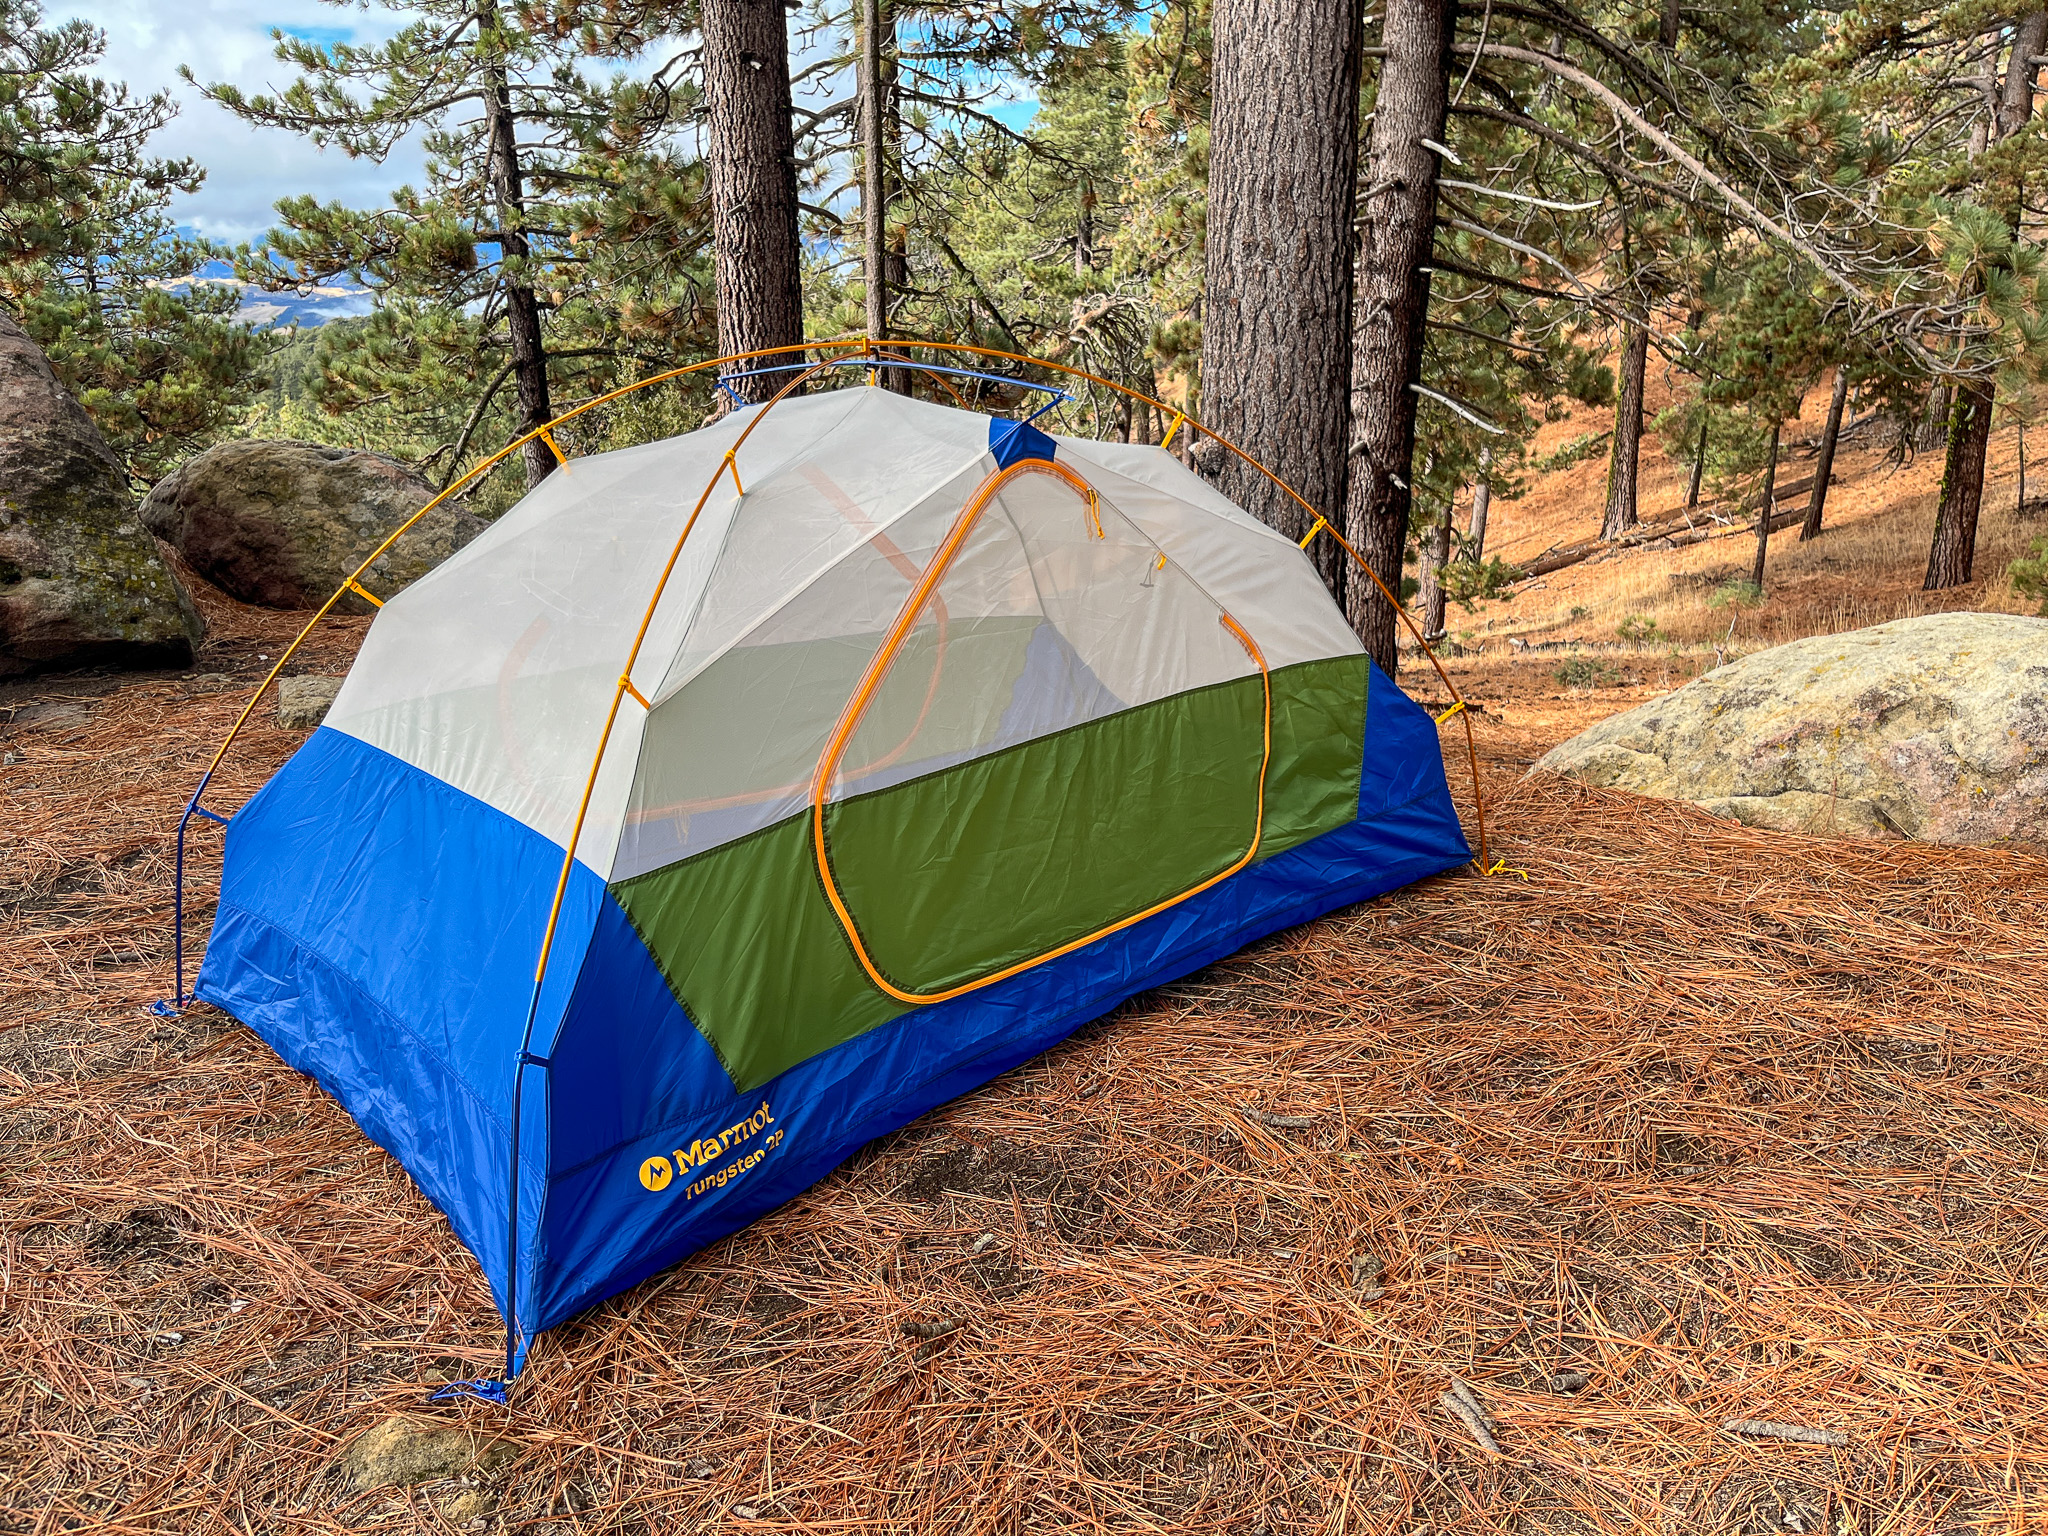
{"type": "Point", "coordinates": [311, 307]}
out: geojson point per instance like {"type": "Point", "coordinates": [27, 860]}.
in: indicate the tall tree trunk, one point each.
{"type": "Point", "coordinates": [1277, 290]}
{"type": "Point", "coordinates": [1824, 466]}
{"type": "Point", "coordinates": [1393, 297]}
{"type": "Point", "coordinates": [1954, 550]}
{"type": "Point", "coordinates": [874, 172]}
{"type": "Point", "coordinates": [753, 186]}
{"type": "Point", "coordinates": [1962, 490]}
{"type": "Point", "coordinates": [1625, 461]}
{"type": "Point", "coordinates": [508, 194]}
{"type": "Point", "coordinates": [1763, 516]}
{"type": "Point", "coordinates": [1436, 554]}
{"type": "Point", "coordinates": [1667, 25]}
{"type": "Point", "coordinates": [896, 244]}
{"type": "Point", "coordinates": [1699, 468]}
{"type": "Point", "coordinates": [1482, 502]}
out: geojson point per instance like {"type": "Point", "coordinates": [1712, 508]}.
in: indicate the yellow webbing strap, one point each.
{"type": "Point", "coordinates": [1502, 867]}
{"type": "Point", "coordinates": [626, 682]}
{"type": "Point", "coordinates": [1321, 523]}
{"type": "Point", "coordinates": [1095, 515]}
{"type": "Point", "coordinates": [555, 448]}
{"type": "Point", "coordinates": [1440, 719]}
{"type": "Point", "coordinates": [733, 464]}
{"type": "Point", "coordinates": [1178, 417]}
{"type": "Point", "coordinates": [363, 592]}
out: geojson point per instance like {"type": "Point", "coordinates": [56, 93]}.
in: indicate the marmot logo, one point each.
{"type": "Point", "coordinates": [658, 1172]}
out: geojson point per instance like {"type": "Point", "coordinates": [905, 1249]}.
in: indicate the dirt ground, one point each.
{"type": "Point", "coordinates": [1671, 1123]}
{"type": "Point", "coordinates": [1865, 568]}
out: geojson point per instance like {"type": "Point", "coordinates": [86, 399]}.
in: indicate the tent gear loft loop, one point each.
{"type": "Point", "coordinates": [1185, 728]}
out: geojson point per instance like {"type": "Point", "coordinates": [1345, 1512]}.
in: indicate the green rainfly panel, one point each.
{"type": "Point", "coordinates": [965, 871]}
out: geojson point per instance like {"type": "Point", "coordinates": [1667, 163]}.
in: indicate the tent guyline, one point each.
{"type": "Point", "coordinates": [1049, 512]}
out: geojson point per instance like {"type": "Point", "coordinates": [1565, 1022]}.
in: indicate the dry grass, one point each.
{"type": "Point", "coordinates": [1865, 569]}
{"type": "Point", "coordinates": [1739, 1125]}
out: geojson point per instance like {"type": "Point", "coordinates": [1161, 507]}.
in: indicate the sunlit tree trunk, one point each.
{"type": "Point", "coordinates": [1625, 461]}
{"type": "Point", "coordinates": [1824, 466]}
{"type": "Point", "coordinates": [508, 194]}
{"type": "Point", "coordinates": [752, 165]}
{"type": "Point", "coordinates": [1954, 551]}
{"type": "Point", "coordinates": [1277, 289]}
{"type": "Point", "coordinates": [1393, 302]}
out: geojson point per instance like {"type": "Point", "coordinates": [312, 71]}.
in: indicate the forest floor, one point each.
{"type": "Point", "coordinates": [1671, 1124]}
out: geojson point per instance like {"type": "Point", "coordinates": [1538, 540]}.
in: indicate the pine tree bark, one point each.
{"type": "Point", "coordinates": [1482, 502]}
{"type": "Point", "coordinates": [1277, 288]}
{"type": "Point", "coordinates": [1763, 516]}
{"type": "Point", "coordinates": [1393, 298]}
{"type": "Point", "coordinates": [753, 186]}
{"type": "Point", "coordinates": [1699, 469]}
{"type": "Point", "coordinates": [874, 196]}
{"type": "Point", "coordinates": [1624, 465]}
{"type": "Point", "coordinates": [1954, 551]}
{"type": "Point", "coordinates": [1824, 466]}
{"type": "Point", "coordinates": [1436, 554]}
{"type": "Point", "coordinates": [508, 194]}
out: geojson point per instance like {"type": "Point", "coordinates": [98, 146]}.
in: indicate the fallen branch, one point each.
{"type": "Point", "coordinates": [1765, 1429]}
{"type": "Point", "coordinates": [1281, 1122]}
{"type": "Point", "coordinates": [1464, 1405]}
{"type": "Point", "coordinates": [1678, 531]}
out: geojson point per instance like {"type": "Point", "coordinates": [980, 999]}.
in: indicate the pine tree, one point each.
{"type": "Point", "coordinates": [559, 239]}
{"type": "Point", "coordinates": [89, 258]}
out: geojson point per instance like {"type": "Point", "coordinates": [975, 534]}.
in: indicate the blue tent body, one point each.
{"type": "Point", "coordinates": [378, 926]}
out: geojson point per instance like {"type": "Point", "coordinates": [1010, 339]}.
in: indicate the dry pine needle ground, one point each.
{"type": "Point", "coordinates": [1731, 1125]}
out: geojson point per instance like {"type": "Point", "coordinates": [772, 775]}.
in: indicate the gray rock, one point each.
{"type": "Point", "coordinates": [1933, 728]}
{"type": "Point", "coordinates": [303, 702]}
{"type": "Point", "coordinates": [81, 581]}
{"type": "Point", "coordinates": [280, 524]}
{"type": "Point", "coordinates": [403, 1451]}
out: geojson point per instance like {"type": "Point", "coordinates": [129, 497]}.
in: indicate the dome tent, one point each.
{"type": "Point", "coordinates": [940, 737]}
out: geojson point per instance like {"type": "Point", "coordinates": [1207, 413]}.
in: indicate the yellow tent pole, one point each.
{"type": "Point", "coordinates": [864, 346]}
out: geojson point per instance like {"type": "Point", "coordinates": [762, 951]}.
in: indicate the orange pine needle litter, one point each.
{"type": "Point", "coordinates": [1741, 1126]}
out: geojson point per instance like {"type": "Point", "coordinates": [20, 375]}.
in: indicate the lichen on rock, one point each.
{"type": "Point", "coordinates": [82, 583]}
{"type": "Point", "coordinates": [1933, 728]}
{"type": "Point", "coordinates": [282, 524]}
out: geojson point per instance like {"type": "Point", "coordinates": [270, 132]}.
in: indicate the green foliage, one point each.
{"type": "Point", "coordinates": [1740, 593]}
{"type": "Point", "coordinates": [1585, 672]}
{"type": "Point", "coordinates": [1471, 582]}
{"type": "Point", "coordinates": [1640, 629]}
{"type": "Point", "coordinates": [2029, 574]}
{"type": "Point", "coordinates": [1587, 445]}
{"type": "Point", "coordinates": [89, 259]}
{"type": "Point", "coordinates": [610, 235]}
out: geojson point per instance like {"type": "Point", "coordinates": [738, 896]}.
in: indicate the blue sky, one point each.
{"type": "Point", "coordinates": [248, 169]}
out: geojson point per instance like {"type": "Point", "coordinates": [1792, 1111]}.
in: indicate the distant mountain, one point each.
{"type": "Point", "coordinates": [308, 307]}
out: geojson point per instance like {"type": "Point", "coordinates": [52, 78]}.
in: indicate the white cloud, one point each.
{"type": "Point", "coordinates": [248, 169]}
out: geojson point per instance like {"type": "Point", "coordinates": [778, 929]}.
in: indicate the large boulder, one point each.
{"type": "Point", "coordinates": [81, 581]}
{"type": "Point", "coordinates": [281, 524]}
{"type": "Point", "coordinates": [1933, 728]}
